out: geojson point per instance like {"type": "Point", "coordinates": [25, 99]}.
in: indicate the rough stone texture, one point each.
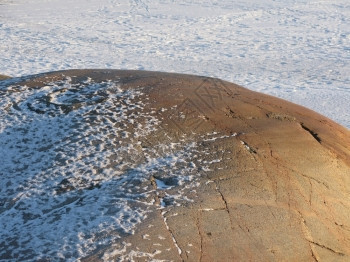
{"type": "Point", "coordinates": [280, 193]}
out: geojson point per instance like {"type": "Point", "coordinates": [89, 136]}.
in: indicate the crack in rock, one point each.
{"type": "Point", "coordinates": [172, 235]}
{"type": "Point", "coordinates": [313, 254]}
{"type": "Point", "coordinates": [328, 248]}
{"type": "Point", "coordinates": [162, 213]}
{"type": "Point", "coordinates": [225, 203]}
{"type": "Point", "coordinates": [249, 148]}
{"type": "Point", "coordinates": [200, 236]}
{"type": "Point", "coordinates": [314, 135]}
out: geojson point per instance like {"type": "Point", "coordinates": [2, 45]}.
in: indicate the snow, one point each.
{"type": "Point", "coordinates": [293, 49]}
{"type": "Point", "coordinates": [64, 144]}
{"type": "Point", "coordinates": [54, 163]}
{"type": "Point", "coordinates": [72, 182]}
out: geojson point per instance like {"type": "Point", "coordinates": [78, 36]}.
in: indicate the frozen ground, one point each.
{"type": "Point", "coordinates": [81, 191]}
{"type": "Point", "coordinates": [78, 172]}
{"type": "Point", "coordinates": [295, 49]}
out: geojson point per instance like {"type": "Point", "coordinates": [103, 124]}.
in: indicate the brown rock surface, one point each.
{"type": "Point", "coordinates": [273, 178]}
{"type": "Point", "coordinates": [3, 77]}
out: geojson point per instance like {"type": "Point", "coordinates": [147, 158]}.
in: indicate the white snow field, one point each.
{"type": "Point", "coordinates": [298, 50]}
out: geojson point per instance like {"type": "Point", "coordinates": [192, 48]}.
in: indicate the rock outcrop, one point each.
{"type": "Point", "coordinates": [3, 77]}
{"type": "Point", "coordinates": [173, 167]}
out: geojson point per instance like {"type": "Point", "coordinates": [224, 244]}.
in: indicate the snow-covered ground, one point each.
{"type": "Point", "coordinates": [83, 164]}
{"type": "Point", "coordinates": [65, 190]}
{"type": "Point", "coordinates": [78, 172]}
{"type": "Point", "coordinates": [295, 49]}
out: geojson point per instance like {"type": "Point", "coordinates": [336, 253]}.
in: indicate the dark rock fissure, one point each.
{"type": "Point", "coordinates": [328, 248]}
{"type": "Point", "coordinates": [200, 236]}
{"type": "Point", "coordinates": [314, 135]}
{"type": "Point", "coordinates": [162, 214]}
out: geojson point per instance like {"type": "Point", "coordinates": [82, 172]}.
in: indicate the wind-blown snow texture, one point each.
{"type": "Point", "coordinates": [76, 168]}
{"type": "Point", "coordinates": [298, 50]}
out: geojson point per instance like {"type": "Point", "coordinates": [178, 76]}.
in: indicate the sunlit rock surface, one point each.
{"type": "Point", "coordinates": [141, 166]}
